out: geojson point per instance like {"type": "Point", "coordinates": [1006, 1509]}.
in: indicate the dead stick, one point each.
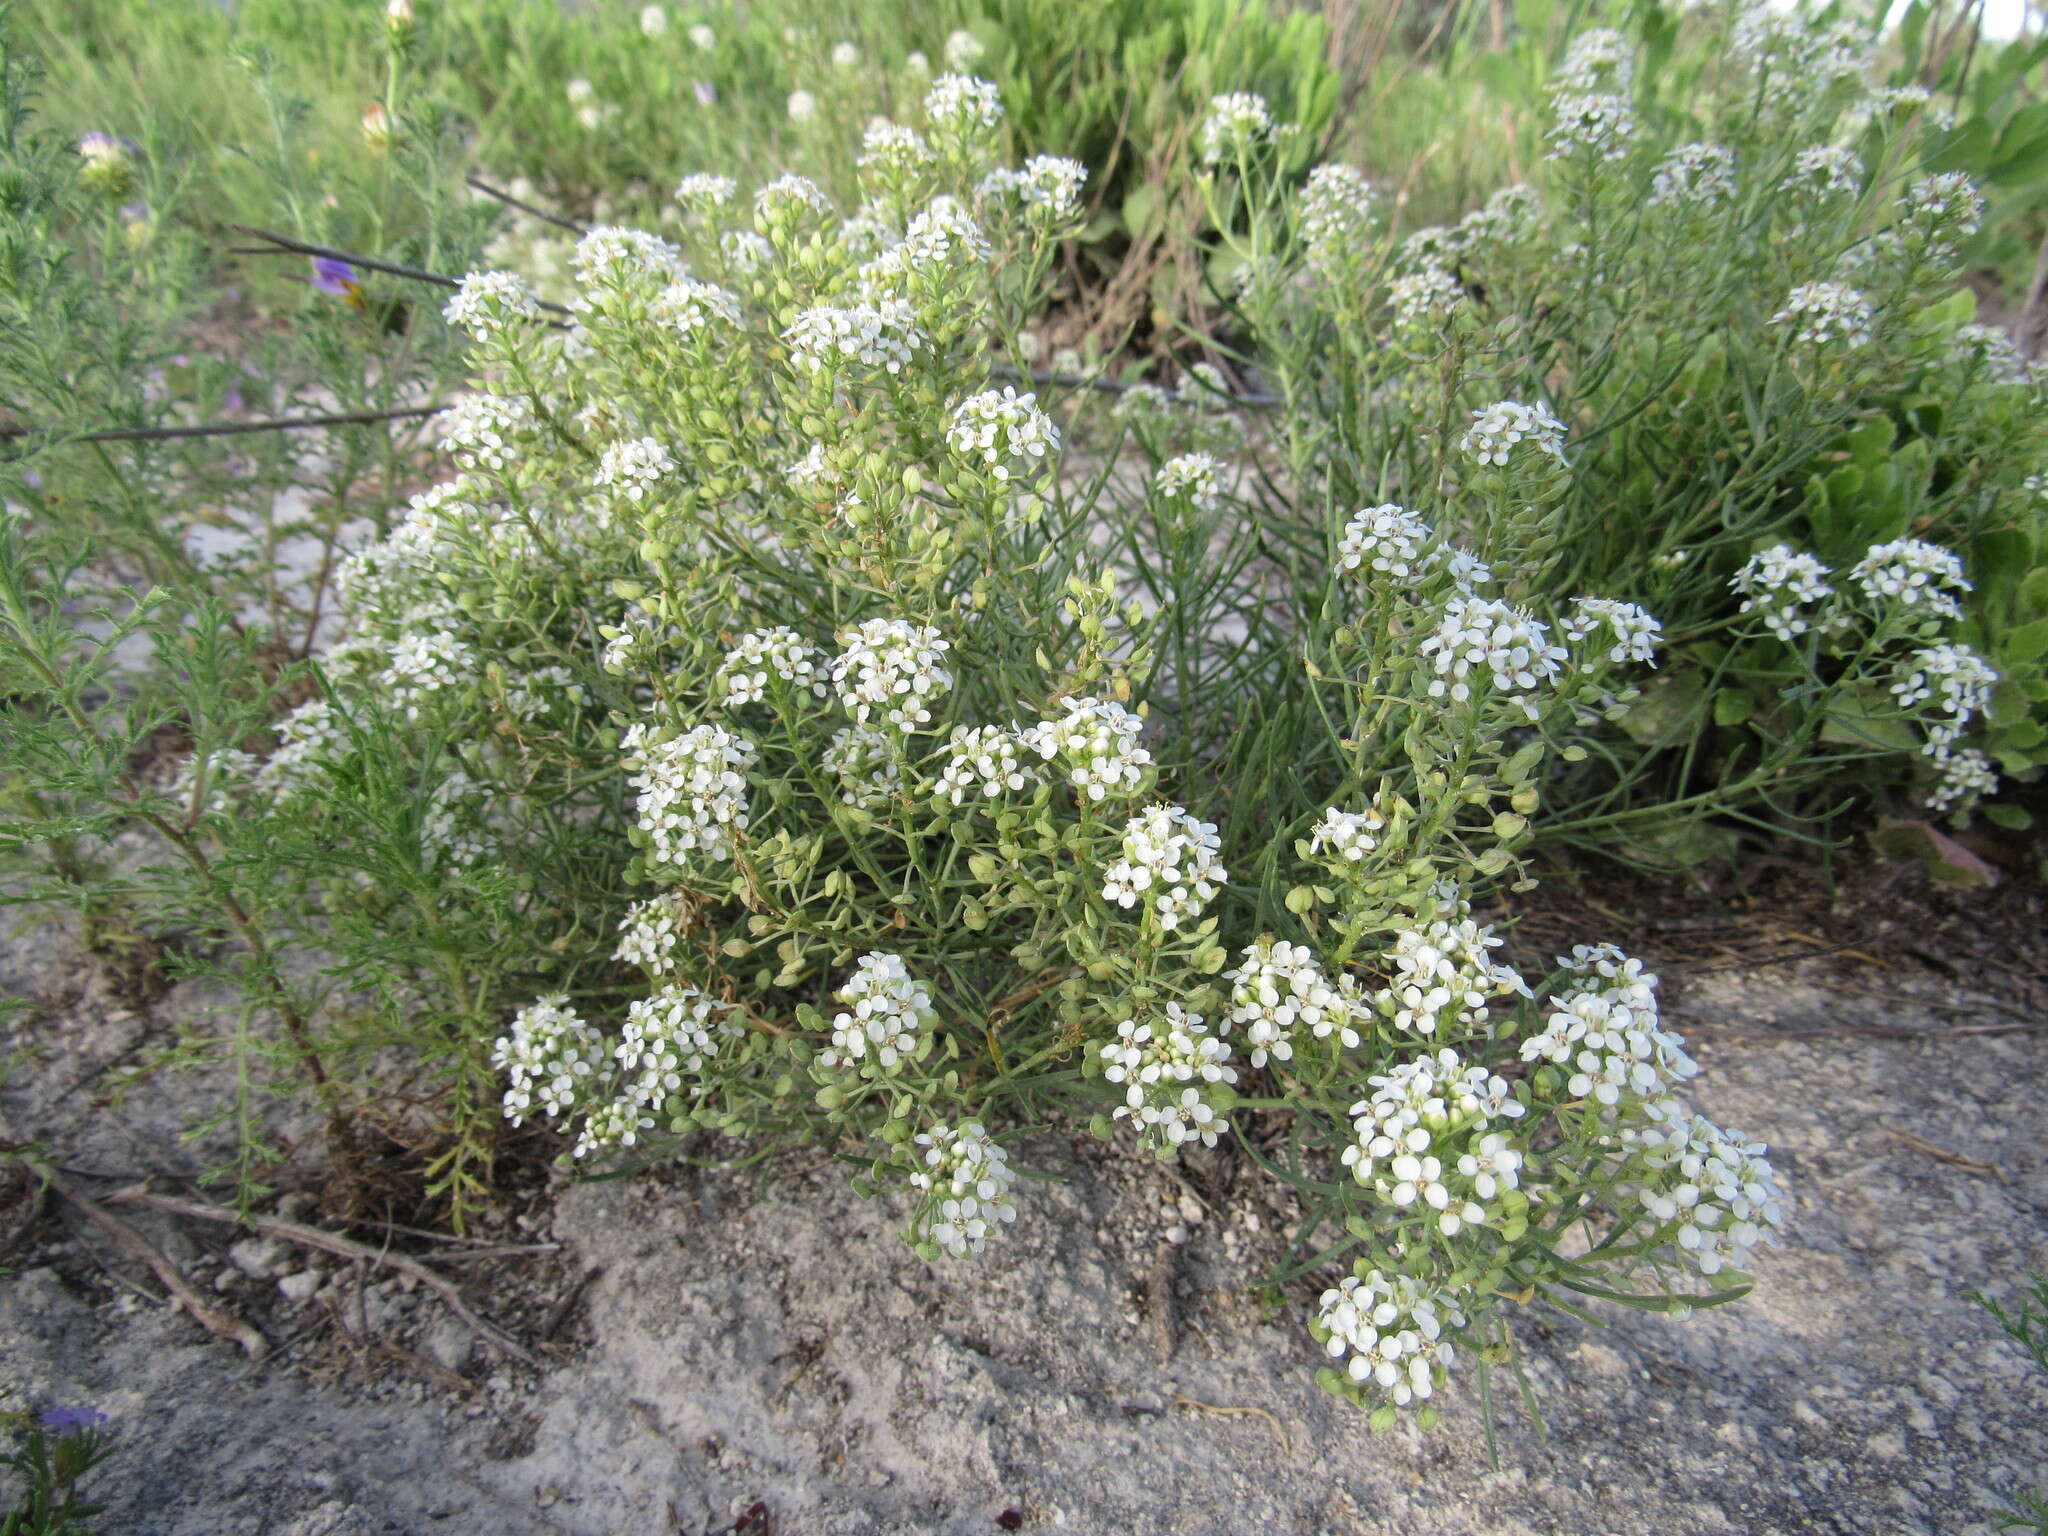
{"type": "Point", "coordinates": [369, 263]}
{"type": "Point", "coordinates": [510, 201]}
{"type": "Point", "coordinates": [237, 428]}
{"type": "Point", "coordinates": [341, 1247]}
{"type": "Point", "coordinates": [215, 1321]}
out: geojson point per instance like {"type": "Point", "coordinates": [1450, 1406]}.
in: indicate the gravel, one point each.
{"type": "Point", "coordinates": [1108, 1366]}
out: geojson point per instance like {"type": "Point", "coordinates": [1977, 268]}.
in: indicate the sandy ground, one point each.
{"type": "Point", "coordinates": [765, 1338]}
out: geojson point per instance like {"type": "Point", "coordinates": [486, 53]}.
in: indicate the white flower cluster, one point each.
{"type": "Point", "coordinates": [668, 1038]}
{"type": "Point", "coordinates": [1694, 176]}
{"type": "Point", "coordinates": [1444, 978]}
{"type": "Point", "coordinates": [1497, 429]}
{"type": "Point", "coordinates": [610, 257]}
{"type": "Point", "coordinates": [1963, 775]}
{"type": "Point", "coordinates": [1918, 576]}
{"type": "Point", "coordinates": [648, 934]}
{"type": "Point", "coordinates": [1197, 476]}
{"type": "Point", "coordinates": [1636, 633]}
{"type": "Point", "coordinates": [483, 431]}
{"type": "Point", "coordinates": [967, 1177]}
{"type": "Point", "coordinates": [1047, 187]}
{"type": "Point", "coordinates": [790, 199]}
{"type": "Point", "coordinates": [687, 306]}
{"type": "Point", "coordinates": [1006, 431]}
{"type": "Point", "coordinates": [1169, 865]}
{"type": "Point", "coordinates": [703, 191]}
{"type": "Point", "coordinates": [1164, 1065]}
{"type": "Point", "coordinates": [1596, 126]}
{"type": "Point", "coordinates": [1716, 1185]}
{"type": "Point", "coordinates": [760, 653]}
{"type": "Point", "coordinates": [1827, 171]}
{"type": "Point", "coordinates": [1604, 1031]}
{"type": "Point", "coordinates": [223, 770]}
{"type": "Point", "coordinates": [1336, 212]}
{"type": "Point", "coordinates": [1279, 991]}
{"type": "Point", "coordinates": [1096, 742]}
{"type": "Point", "coordinates": [1991, 351]}
{"type": "Point", "coordinates": [883, 334]}
{"type": "Point", "coordinates": [1783, 586]}
{"type": "Point", "coordinates": [983, 762]}
{"type": "Point", "coordinates": [1942, 211]}
{"type": "Point", "coordinates": [963, 107]}
{"type": "Point", "coordinates": [1388, 539]}
{"type": "Point", "coordinates": [1507, 645]}
{"type": "Point", "coordinates": [1422, 1111]}
{"type": "Point", "coordinates": [488, 303]}
{"type": "Point", "coordinates": [1350, 835]}
{"type": "Point", "coordinates": [892, 149]}
{"type": "Point", "coordinates": [634, 469]}
{"type": "Point", "coordinates": [1822, 314]}
{"type": "Point", "coordinates": [310, 740]}
{"type": "Point", "coordinates": [548, 1057]}
{"type": "Point", "coordinates": [1423, 301]}
{"type": "Point", "coordinates": [891, 670]}
{"type": "Point", "coordinates": [692, 789]}
{"type": "Point", "coordinates": [423, 665]}
{"type": "Point", "coordinates": [1237, 123]}
{"type": "Point", "coordinates": [1961, 678]}
{"type": "Point", "coordinates": [1599, 61]}
{"type": "Point", "coordinates": [886, 1012]}
{"type": "Point", "coordinates": [1393, 1327]}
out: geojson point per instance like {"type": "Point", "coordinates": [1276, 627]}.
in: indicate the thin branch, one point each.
{"type": "Point", "coordinates": [213, 1319]}
{"type": "Point", "coordinates": [341, 1247]}
{"type": "Point", "coordinates": [368, 263]}
{"type": "Point", "coordinates": [510, 201]}
{"type": "Point", "coordinates": [235, 428]}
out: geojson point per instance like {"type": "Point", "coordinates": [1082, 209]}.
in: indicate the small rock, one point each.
{"type": "Point", "coordinates": [258, 1257]}
{"type": "Point", "coordinates": [1191, 1210]}
{"type": "Point", "coordinates": [300, 1286]}
{"type": "Point", "coordinates": [448, 1344]}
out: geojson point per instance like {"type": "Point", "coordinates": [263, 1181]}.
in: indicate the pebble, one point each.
{"type": "Point", "coordinates": [258, 1257]}
{"type": "Point", "coordinates": [300, 1286]}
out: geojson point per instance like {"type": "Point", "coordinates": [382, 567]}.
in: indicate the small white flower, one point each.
{"type": "Point", "coordinates": [1499, 428]}
{"type": "Point", "coordinates": [967, 1179]}
{"type": "Point", "coordinates": [1196, 476]}
{"type": "Point", "coordinates": [803, 106]}
{"type": "Point", "coordinates": [1006, 431]}
{"type": "Point", "coordinates": [886, 1013]}
{"type": "Point", "coordinates": [984, 762]}
{"type": "Point", "coordinates": [764, 653]}
{"type": "Point", "coordinates": [1916, 575]}
{"type": "Point", "coordinates": [1823, 314]}
{"type": "Point", "coordinates": [1694, 176]}
{"type": "Point", "coordinates": [1096, 742]}
{"type": "Point", "coordinates": [1485, 638]}
{"type": "Point", "coordinates": [1783, 586]}
{"type": "Point", "coordinates": [1281, 996]}
{"type": "Point", "coordinates": [1166, 1065]}
{"type": "Point", "coordinates": [1598, 127]}
{"type": "Point", "coordinates": [692, 789]}
{"type": "Point", "coordinates": [1236, 124]}
{"type": "Point", "coordinates": [1169, 865]}
{"type": "Point", "coordinates": [633, 470]}
{"type": "Point", "coordinates": [489, 302]}
{"type": "Point", "coordinates": [548, 1059]}
{"type": "Point", "coordinates": [1388, 540]}
{"type": "Point", "coordinates": [890, 670]}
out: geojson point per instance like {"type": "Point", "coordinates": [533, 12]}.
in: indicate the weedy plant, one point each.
{"type": "Point", "coordinates": [1787, 438]}
{"type": "Point", "coordinates": [765, 566]}
{"type": "Point", "coordinates": [57, 1448]}
{"type": "Point", "coordinates": [2027, 1328]}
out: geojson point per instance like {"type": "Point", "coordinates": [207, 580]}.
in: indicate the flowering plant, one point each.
{"type": "Point", "coordinates": [1743, 358]}
{"type": "Point", "coordinates": [969, 778]}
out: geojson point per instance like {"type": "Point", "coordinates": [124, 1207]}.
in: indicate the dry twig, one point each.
{"type": "Point", "coordinates": [341, 1247]}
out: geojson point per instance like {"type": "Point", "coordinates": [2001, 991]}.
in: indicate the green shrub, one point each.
{"type": "Point", "coordinates": [1755, 340]}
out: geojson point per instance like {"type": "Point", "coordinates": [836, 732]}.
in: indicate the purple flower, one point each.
{"type": "Point", "coordinates": [707, 94]}
{"type": "Point", "coordinates": [336, 279]}
{"type": "Point", "coordinates": [32, 478]}
{"type": "Point", "coordinates": [135, 213]}
{"type": "Point", "coordinates": [71, 1421]}
{"type": "Point", "coordinates": [233, 401]}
